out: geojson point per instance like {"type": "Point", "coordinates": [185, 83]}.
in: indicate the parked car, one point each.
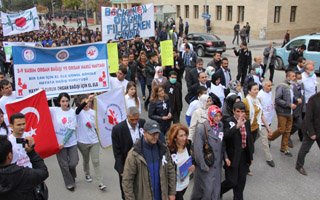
{"type": "Point", "coordinates": [206, 44]}
{"type": "Point", "coordinates": [312, 52]}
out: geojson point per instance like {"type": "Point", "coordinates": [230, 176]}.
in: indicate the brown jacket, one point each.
{"type": "Point", "coordinates": [136, 180]}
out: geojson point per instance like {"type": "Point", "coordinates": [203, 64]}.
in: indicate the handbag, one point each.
{"type": "Point", "coordinates": [41, 192]}
{"type": "Point", "coordinates": [207, 150]}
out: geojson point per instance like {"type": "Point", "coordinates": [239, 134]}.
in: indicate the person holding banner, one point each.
{"type": "Point", "coordinates": [120, 80]}
{"type": "Point", "coordinates": [160, 109]}
{"type": "Point", "coordinates": [87, 137]}
{"type": "Point", "coordinates": [65, 122]}
{"type": "Point", "coordinates": [180, 149]}
{"type": "Point", "coordinates": [7, 96]}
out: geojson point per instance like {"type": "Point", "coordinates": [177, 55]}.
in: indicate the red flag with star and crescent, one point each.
{"type": "Point", "coordinates": [38, 121]}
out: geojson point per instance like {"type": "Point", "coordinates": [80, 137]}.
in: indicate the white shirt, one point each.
{"type": "Point", "coordinates": [227, 76]}
{"type": "Point", "coordinates": [194, 105]}
{"type": "Point", "coordinates": [86, 127]}
{"type": "Point", "coordinates": [310, 84]}
{"type": "Point", "coordinates": [3, 131]}
{"type": "Point", "coordinates": [20, 156]}
{"type": "Point", "coordinates": [62, 121]}
{"type": "Point", "coordinates": [134, 132]}
{"type": "Point", "coordinates": [115, 83]}
{"type": "Point", "coordinates": [3, 102]}
{"type": "Point", "coordinates": [267, 104]}
{"type": "Point", "coordinates": [218, 90]}
{"type": "Point", "coordinates": [181, 159]}
{"type": "Point", "coordinates": [130, 102]}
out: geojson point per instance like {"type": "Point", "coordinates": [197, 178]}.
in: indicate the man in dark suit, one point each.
{"type": "Point", "coordinates": [239, 148]}
{"type": "Point", "coordinates": [192, 91]}
{"type": "Point", "coordinates": [310, 129]}
{"type": "Point", "coordinates": [192, 76]}
{"type": "Point", "coordinates": [224, 72]}
{"type": "Point", "coordinates": [294, 55]}
{"type": "Point", "coordinates": [244, 61]}
{"type": "Point", "coordinates": [124, 135]}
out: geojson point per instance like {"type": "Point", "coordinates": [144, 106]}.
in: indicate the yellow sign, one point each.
{"type": "Point", "coordinates": [167, 53]}
{"type": "Point", "coordinates": [113, 59]}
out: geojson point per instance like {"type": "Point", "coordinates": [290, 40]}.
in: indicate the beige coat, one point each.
{"type": "Point", "coordinates": [136, 180]}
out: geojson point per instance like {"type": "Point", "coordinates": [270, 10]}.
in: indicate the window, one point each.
{"type": "Point", "coordinates": [186, 11]}
{"type": "Point", "coordinates": [277, 10]}
{"type": "Point", "coordinates": [293, 13]}
{"type": "Point", "coordinates": [240, 13]}
{"type": "Point", "coordinates": [295, 44]}
{"type": "Point", "coordinates": [206, 9]}
{"type": "Point", "coordinates": [178, 8]}
{"type": "Point", "coordinates": [314, 45]}
{"type": "Point", "coordinates": [229, 13]}
{"type": "Point", "coordinates": [196, 11]}
{"type": "Point", "coordinates": [219, 12]}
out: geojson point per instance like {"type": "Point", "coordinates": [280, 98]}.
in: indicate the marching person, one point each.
{"type": "Point", "coordinates": [87, 138]}
{"type": "Point", "coordinates": [65, 122]}
{"type": "Point", "coordinates": [239, 149]}
{"type": "Point", "coordinates": [174, 91]}
{"type": "Point", "coordinates": [131, 97]}
{"type": "Point", "coordinates": [124, 135]}
{"type": "Point", "coordinates": [244, 61]}
{"type": "Point", "coordinates": [149, 171]}
{"type": "Point", "coordinates": [207, 179]}
{"type": "Point", "coordinates": [269, 60]}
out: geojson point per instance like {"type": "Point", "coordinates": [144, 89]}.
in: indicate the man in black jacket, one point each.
{"type": "Point", "coordinates": [174, 90]}
{"type": "Point", "coordinates": [224, 72]}
{"type": "Point", "coordinates": [244, 61]}
{"type": "Point", "coordinates": [192, 76]}
{"type": "Point", "coordinates": [124, 135]}
{"type": "Point", "coordinates": [192, 91]}
{"type": "Point", "coordinates": [310, 129]}
{"type": "Point", "coordinates": [239, 148]}
{"type": "Point", "coordinates": [18, 182]}
{"type": "Point", "coordinates": [294, 55]}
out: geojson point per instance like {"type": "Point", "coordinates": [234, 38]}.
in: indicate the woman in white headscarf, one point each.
{"type": "Point", "coordinates": [159, 79]}
{"type": "Point", "coordinates": [210, 71]}
{"type": "Point", "coordinates": [200, 115]}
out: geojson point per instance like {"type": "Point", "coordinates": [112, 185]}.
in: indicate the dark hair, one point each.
{"type": "Point", "coordinates": [224, 58]}
{"type": "Point", "coordinates": [199, 60]}
{"type": "Point", "coordinates": [173, 73]}
{"type": "Point", "coordinates": [4, 125]}
{"type": "Point", "coordinates": [301, 59]}
{"type": "Point", "coordinates": [201, 89]}
{"type": "Point", "coordinates": [250, 85]}
{"type": "Point", "coordinates": [152, 54]}
{"type": "Point", "coordinates": [5, 148]}
{"type": "Point", "coordinates": [16, 116]}
{"type": "Point", "coordinates": [289, 72]}
{"type": "Point", "coordinates": [124, 56]}
{"type": "Point", "coordinates": [63, 94]}
{"type": "Point", "coordinates": [3, 83]}
{"type": "Point", "coordinates": [187, 46]}
{"type": "Point", "coordinates": [123, 70]}
{"type": "Point", "coordinates": [239, 105]}
{"type": "Point", "coordinates": [135, 96]}
{"type": "Point", "coordinates": [1, 73]}
{"type": "Point", "coordinates": [303, 47]}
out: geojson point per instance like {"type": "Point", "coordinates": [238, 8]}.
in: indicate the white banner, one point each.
{"type": "Point", "coordinates": [111, 110]}
{"type": "Point", "coordinates": [127, 23]}
{"type": "Point", "coordinates": [8, 47]}
{"type": "Point", "coordinates": [22, 22]}
{"type": "Point", "coordinates": [79, 69]}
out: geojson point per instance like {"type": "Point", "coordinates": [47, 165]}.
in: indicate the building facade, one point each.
{"type": "Point", "coordinates": [268, 19]}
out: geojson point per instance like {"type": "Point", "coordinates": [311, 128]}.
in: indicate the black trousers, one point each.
{"type": "Point", "coordinates": [235, 36]}
{"type": "Point", "coordinates": [179, 194]}
{"type": "Point", "coordinates": [306, 145]}
{"type": "Point", "coordinates": [242, 73]}
{"type": "Point", "coordinates": [146, 103]}
{"type": "Point", "coordinates": [236, 178]}
{"type": "Point", "coordinates": [176, 117]}
{"type": "Point", "coordinates": [271, 68]}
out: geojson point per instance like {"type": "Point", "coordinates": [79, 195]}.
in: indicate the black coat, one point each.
{"type": "Point", "coordinates": [192, 91]}
{"type": "Point", "coordinates": [192, 77]}
{"type": "Point", "coordinates": [233, 142]}
{"type": "Point", "coordinates": [122, 143]}
{"type": "Point", "coordinates": [245, 57]}
{"type": "Point", "coordinates": [293, 58]}
{"type": "Point", "coordinates": [311, 125]}
{"type": "Point", "coordinates": [18, 182]}
{"type": "Point", "coordinates": [158, 109]}
{"type": "Point", "coordinates": [220, 73]}
{"type": "Point", "coordinates": [150, 70]}
{"type": "Point", "coordinates": [174, 91]}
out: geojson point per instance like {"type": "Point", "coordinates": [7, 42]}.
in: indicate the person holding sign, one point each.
{"type": "Point", "coordinates": [180, 149]}
{"type": "Point", "coordinates": [207, 175]}
{"type": "Point", "coordinates": [65, 122]}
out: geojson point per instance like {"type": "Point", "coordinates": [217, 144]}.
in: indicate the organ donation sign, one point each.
{"type": "Point", "coordinates": [76, 70]}
{"type": "Point", "coordinates": [127, 23]}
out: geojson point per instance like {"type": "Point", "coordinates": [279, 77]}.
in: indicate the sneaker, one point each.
{"type": "Point", "coordinates": [102, 186]}
{"type": "Point", "coordinates": [88, 178]}
{"type": "Point", "coordinates": [70, 188]}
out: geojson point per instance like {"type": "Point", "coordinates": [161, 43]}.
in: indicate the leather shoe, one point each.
{"type": "Point", "coordinates": [271, 163]}
{"type": "Point", "coordinates": [287, 153]}
{"type": "Point", "coordinates": [301, 171]}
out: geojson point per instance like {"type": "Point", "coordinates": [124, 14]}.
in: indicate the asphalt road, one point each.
{"type": "Point", "coordinates": [280, 183]}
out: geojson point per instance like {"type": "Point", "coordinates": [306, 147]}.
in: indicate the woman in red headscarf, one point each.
{"type": "Point", "coordinates": [207, 178]}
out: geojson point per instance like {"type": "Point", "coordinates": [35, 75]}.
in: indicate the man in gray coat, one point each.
{"type": "Point", "coordinates": [269, 59]}
{"type": "Point", "coordinates": [284, 105]}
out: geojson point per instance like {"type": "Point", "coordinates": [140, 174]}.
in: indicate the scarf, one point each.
{"type": "Point", "coordinates": [252, 102]}
{"type": "Point", "coordinates": [212, 111]}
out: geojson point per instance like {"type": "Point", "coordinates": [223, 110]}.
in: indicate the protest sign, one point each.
{"type": "Point", "coordinates": [21, 22]}
{"type": "Point", "coordinates": [113, 60]}
{"type": "Point", "coordinates": [127, 23]}
{"type": "Point", "coordinates": [75, 70]}
{"type": "Point", "coordinates": [8, 47]}
{"type": "Point", "coordinates": [110, 111]}
{"type": "Point", "coordinates": [166, 48]}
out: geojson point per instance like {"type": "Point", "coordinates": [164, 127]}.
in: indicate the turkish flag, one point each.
{"type": "Point", "coordinates": [38, 121]}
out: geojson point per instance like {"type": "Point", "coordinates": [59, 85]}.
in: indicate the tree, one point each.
{"type": "Point", "coordinates": [73, 4]}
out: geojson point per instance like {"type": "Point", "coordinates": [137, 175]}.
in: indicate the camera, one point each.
{"type": "Point", "coordinates": [22, 141]}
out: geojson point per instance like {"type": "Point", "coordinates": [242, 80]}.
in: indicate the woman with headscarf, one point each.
{"type": "Point", "coordinates": [227, 108]}
{"type": "Point", "coordinates": [234, 87]}
{"type": "Point", "coordinates": [159, 79]}
{"type": "Point", "coordinates": [207, 179]}
{"type": "Point", "coordinates": [217, 89]}
{"type": "Point", "coordinates": [200, 115]}
{"type": "Point", "coordinates": [210, 71]}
